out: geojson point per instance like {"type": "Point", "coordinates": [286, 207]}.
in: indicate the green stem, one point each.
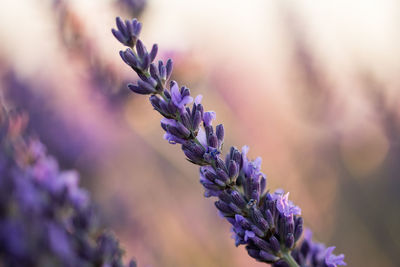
{"type": "Point", "coordinates": [289, 259]}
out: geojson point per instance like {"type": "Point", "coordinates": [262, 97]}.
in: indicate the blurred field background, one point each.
{"type": "Point", "coordinates": [311, 86]}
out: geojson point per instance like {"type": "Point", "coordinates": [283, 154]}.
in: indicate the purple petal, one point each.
{"type": "Point", "coordinates": [186, 100]}
{"type": "Point", "coordinates": [198, 99]}
{"type": "Point", "coordinates": [208, 117]}
{"type": "Point", "coordinates": [201, 136]}
{"type": "Point", "coordinates": [332, 260]}
{"type": "Point", "coordinates": [248, 235]}
{"type": "Point", "coordinates": [172, 139]}
{"type": "Point", "coordinates": [175, 93]}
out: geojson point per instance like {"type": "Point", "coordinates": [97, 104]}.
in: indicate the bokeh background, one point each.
{"type": "Point", "coordinates": [311, 86]}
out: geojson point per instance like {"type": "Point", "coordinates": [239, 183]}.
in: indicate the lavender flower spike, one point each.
{"type": "Point", "coordinates": [268, 224]}
{"type": "Point", "coordinates": [127, 32]}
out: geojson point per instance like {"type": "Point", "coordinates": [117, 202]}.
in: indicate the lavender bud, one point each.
{"type": "Point", "coordinates": [145, 62]}
{"type": "Point", "coordinates": [268, 257]}
{"type": "Point", "coordinates": [140, 90]}
{"type": "Point", "coordinates": [238, 199]}
{"type": "Point", "coordinates": [257, 230]}
{"type": "Point", "coordinates": [153, 71]}
{"type": "Point", "coordinates": [223, 207]}
{"type": "Point", "coordinates": [219, 131]}
{"type": "Point", "coordinates": [254, 253]}
{"type": "Point", "coordinates": [120, 37]}
{"type": "Point", "coordinates": [220, 164]}
{"type": "Point", "coordinates": [235, 208]}
{"type": "Point", "coordinates": [185, 118]}
{"type": "Point", "coordinates": [210, 186]}
{"type": "Point", "coordinates": [130, 58]}
{"type": "Point", "coordinates": [153, 52]}
{"type": "Point", "coordinates": [196, 120]}
{"type": "Point", "coordinates": [233, 169]}
{"type": "Point", "coordinates": [209, 130]}
{"type": "Point", "coordinates": [289, 240]}
{"type": "Point", "coordinates": [237, 157]}
{"type": "Point", "coordinates": [262, 244]}
{"type": "Point", "coordinates": [224, 196]}
{"type": "Point", "coordinates": [243, 222]}
{"type": "Point", "coordinates": [259, 219]}
{"type": "Point", "coordinates": [222, 175]}
{"type": "Point", "coordinates": [169, 68]}
{"type": "Point", "coordinates": [121, 26]}
{"type": "Point", "coordinates": [274, 244]}
{"type": "Point", "coordinates": [140, 49]}
{"type": "Point", "coordinates": [299, 229]}
{"type": "Point", "coordinates": [220, 182]}
{"type": "Point", "coordinates": [210, 176]}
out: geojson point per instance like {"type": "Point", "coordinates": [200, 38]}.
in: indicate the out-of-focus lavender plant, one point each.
{"type": "Point", "coordinates": [269, 224]}
{"type": "Point", "coordinates": [103, 78]}
{"type": "Point", "coordinates": [132, 7]}
{"type": "Point", "coordinates": [46, 219]}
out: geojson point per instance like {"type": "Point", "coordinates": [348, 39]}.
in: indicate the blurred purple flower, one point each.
{"type": "Point", "coordinates": [45, 217]}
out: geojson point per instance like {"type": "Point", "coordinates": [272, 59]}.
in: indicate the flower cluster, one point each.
{"type": "Point", "coordinates": [267, 223]}
{"type": "Point", "coordinates": [310, 253]}
{"type": "Point", "coordinates": [46, 219]}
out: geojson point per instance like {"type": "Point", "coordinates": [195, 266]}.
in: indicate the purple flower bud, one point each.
{"type": "Point", "coordinates": [211, 187]}
{"type": "Point", "coordinates": [121, 26]}
{"type": "Point", "coordinates": [208, 117]}
{"type": "Point", "coordinates": [220, 182]}
{"type": "Point", "coordinates": [120, 37]}
{"type": "Point", "coordinates": [145, 62]}
{"type": "Point", "coordinates": [224, 196]}
{"type": "Point", "coordinates": [222, 175]}
{"type": "Point", "coordinates": [130, 58]}
{"type": "Point", "coordinates": [146, 86]}
{"type": "Point", "coordinates": [219, 131]}
{"type": "Point", "coordinates": [140, 90]}
{"type": "Point", "coordinates": [238, 199]}
{"type": "Point", "coordinates": [196, 120]}
{"type": "Point", "coordinates": [140, 49]}
{"type": "Point", "coordinates": [153, 71]}
{"type": "Point", "coordinates": [299, 228]}
{"type": "Point", "coordinates": [259, 219]}
{"type": "Point", "coordinates": [262, 244]}
{"type": "Point", "coordinates": [289, 240]}
{"type": "Point", "coordinates": [257, 230]}
{"type": "Point", "coordinates": [169, 66]}
{"type": "Point", "coordinates": [185, 119]}
{"type": "Point", "coordinates": [268, 257]}
{"type": "Point", "coordinates": [172, 139]}
{"type": "Point", "coordinates": [269, 217]}
{"type": "Point", "coordinates": [153, 52]}
{"type": "Point", "coordinates": [235, 208]}
{"type": "Point", "coordinates": [274, 244]}
{"type": "Point", "coordinates": [254, 253]}
{"type": "Point", "coordinates": [233, 169]}
{"type": "Point", "coordinates": [223, 207]}
{"type": "Point", "coordinates": [243, 222]}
